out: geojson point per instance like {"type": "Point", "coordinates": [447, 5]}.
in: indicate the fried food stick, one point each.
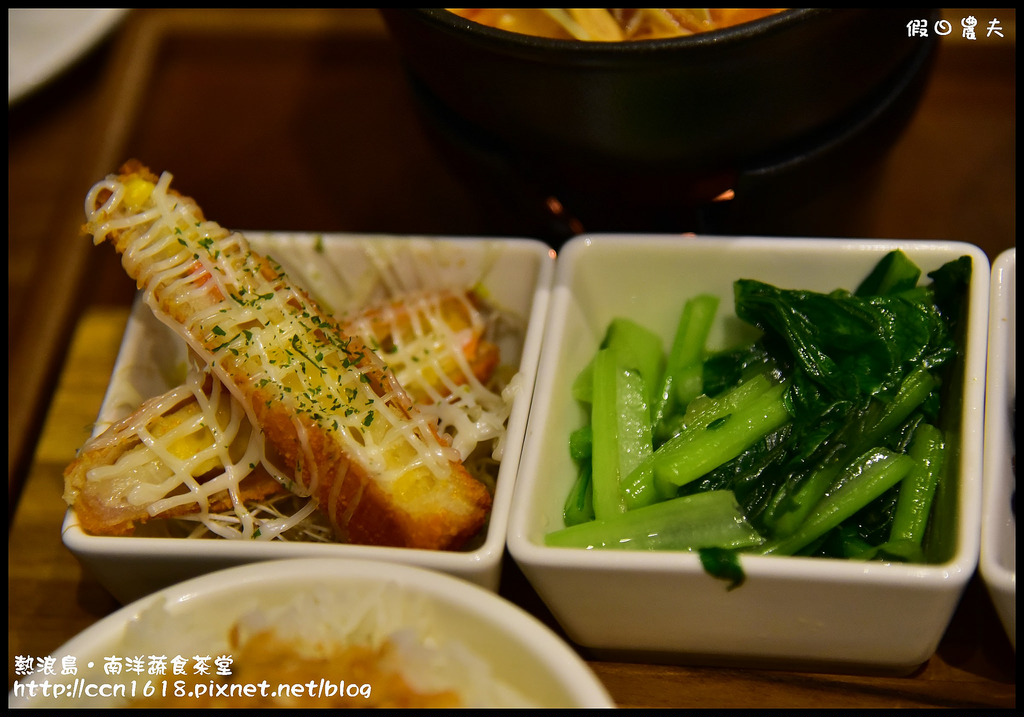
{"type": "Point", "coordinates": [335, 420]}
{"type": "Point", "coordinates": [191, 451]}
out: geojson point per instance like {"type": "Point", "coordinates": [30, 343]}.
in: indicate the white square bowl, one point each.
{"type": "Point", "coordinates": [998, 561]}
{"type": "Point", "coordinates": [822, 613]}
{"type": "Point", "coordinates": [342, 272]}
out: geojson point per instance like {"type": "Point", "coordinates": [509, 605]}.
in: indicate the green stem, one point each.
{"type": "Point", "coordinates": [917, 491]}
{"type": "Point", "coordinates": [704, 448]}
{"type": "Point", "coordinates": [677, 386]}
{"type": "Point", "coordinates": [914, 390]}
{"type": "Point", "coordinates": [621, 424]}
{"type": "Point", "coordinates": [703, 520]}
{"type": "Point", "coordinates": [866, 479]}
{"type": "Point", "coordinates": [579, 505]}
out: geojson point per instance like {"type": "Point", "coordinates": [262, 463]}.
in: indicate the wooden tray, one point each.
{"type": "Point", "coordinates": [302, 120]}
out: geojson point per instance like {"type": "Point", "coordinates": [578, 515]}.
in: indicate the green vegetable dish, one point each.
{"type": "Point", "coordinates": [821, 437]}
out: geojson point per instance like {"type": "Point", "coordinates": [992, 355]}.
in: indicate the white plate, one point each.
{"type": "Point", "coordinates": [42, 42]}
{"type": "Point", "coordinates": [505, 642]}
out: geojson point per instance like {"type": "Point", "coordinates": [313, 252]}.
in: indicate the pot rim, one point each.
{"type": "Point", "coordinates": [517, 42]}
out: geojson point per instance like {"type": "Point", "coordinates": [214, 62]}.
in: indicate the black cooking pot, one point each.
{"type": "Point", "coordinates": [659, 120]}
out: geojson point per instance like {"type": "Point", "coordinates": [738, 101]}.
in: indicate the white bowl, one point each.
{"type": "Point", "coordinates": [998, 562]}
{"type": "Point", "coordinates": [444, 613]}
{"type": "Point", "coordinates": [344, 271]}
{"type": "Point", "coordinates": [829, 614]}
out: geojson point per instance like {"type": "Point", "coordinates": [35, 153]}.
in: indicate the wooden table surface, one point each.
{"type": "Point", "coordinates": [301, 120]}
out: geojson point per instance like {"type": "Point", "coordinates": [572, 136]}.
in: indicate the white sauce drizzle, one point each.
{"type": "Point", "coordinates": [254, 332]}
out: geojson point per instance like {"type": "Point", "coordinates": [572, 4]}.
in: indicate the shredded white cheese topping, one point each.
{"type": "Point", "coordinates": [265, 341]}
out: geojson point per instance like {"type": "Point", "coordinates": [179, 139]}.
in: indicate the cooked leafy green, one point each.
{"type": "Point", "coordinates": [825, 430]}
